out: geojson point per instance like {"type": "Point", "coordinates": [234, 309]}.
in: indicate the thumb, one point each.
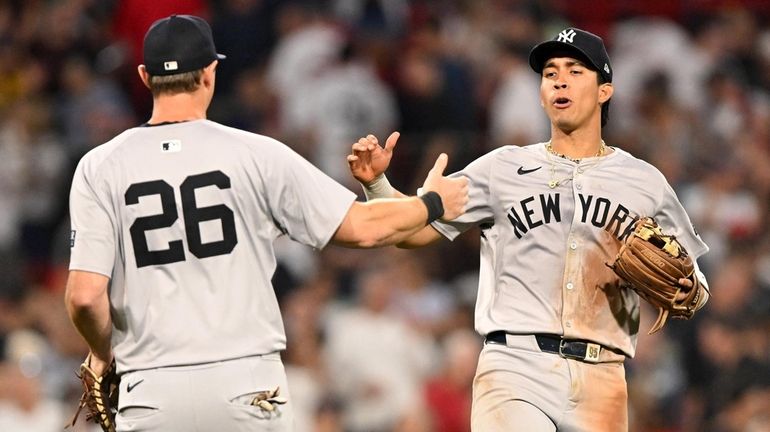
{"type": "Point", "coordinates": [440, 165]}
{"type": "Point", "coordinates": [390, 143]}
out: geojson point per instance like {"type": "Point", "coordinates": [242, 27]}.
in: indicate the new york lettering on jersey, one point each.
{"type": "Point", "coordinates": [532, 212]}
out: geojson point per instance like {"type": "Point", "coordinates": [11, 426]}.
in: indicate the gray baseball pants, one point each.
{"type": "Point", "coordinates": [520, 388]}
{"type": "Point", "coordinates": [205, 397]}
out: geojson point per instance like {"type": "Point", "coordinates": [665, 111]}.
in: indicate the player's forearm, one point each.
{"type": "Point", "coordinates": [88, 307]}
{"type": "Point", "coordinates": [381, 188]}
{"type": "Point", "coordinates": [421, 238]}
{"type": "Point", "coordinates": [382, 222]}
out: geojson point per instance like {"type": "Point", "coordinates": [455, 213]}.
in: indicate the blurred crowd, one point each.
{"type": "Point", "coordinates": [383, 340]}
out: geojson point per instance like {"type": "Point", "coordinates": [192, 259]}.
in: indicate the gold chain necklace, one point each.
{"type": "Point", "coordinates": [549, 147]}
{"type": "Point", "coordinates": [549, 151]}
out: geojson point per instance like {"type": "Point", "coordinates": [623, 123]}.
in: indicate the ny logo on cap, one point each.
{"type": "Point", "coordinates": [567, 35]}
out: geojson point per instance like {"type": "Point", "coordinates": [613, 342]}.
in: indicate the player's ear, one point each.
{"type": "Point", "coordinates": [209, 74]}
{"type": "Point", "coordinates": [605, 92]}
{"type": "Point", "coordinates": [143, 75]}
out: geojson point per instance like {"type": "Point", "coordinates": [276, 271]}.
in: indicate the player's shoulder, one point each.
{"type": "Point", "coordinates": [514, 153]}
{"type": "Point", "coordinates": [630, 163]}
{"type": "Point", "coordinates": [507, 151]}
{"type": "Point", "coordinates": [500, 159]}
{"type": "Point", "coordinates": [251, 141]}
{"type": "Point", "coordinates": [100, 156]}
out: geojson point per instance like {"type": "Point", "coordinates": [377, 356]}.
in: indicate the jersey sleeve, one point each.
{"type": "Point", "coordinates": [307, 204]}
{"type": "Point", "coordinates": [478, 209]}
{"type": "Point", "coordinates": [673, 218]}
{"type": "Point", "coordinates": [92, 235]}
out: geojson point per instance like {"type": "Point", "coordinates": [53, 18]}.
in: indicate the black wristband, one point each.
{"type": "Point", "coordinates": [435, 207]}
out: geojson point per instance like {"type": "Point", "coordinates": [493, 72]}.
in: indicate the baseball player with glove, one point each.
{"type": "Point", "coordinates": [572, 229]}
{"type": "Point", "coordinates": [173, 224]}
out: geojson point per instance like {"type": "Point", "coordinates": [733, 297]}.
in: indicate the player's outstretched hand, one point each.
{"type": "Point", "coordinates": [453, 191]}
{"type": "Point", "coordinates": [368, 159]}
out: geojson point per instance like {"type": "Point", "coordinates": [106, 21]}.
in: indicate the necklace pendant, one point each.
{"type": "Point", "coordinates": [553, 183]}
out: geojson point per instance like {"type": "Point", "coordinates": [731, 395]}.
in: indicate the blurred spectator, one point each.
{"type": "Point", "coordinates": [379, 362]}
{"type": "Point", "coordinates": [656, 380]}
{"type": "Point", "coordinates": [348, 101]}
{"type": "Point", "coordinates": [24, 404]}
{"type": "Point", "coordinates": [131, 20]}
{"type": "Point", "coordinates": [33, 161]}
{"type": "Point", "coordinates": [722, 210]}
{"type": "Point", "coordinates": [245, 30]}
{"type": "Point", "coordinates": [375, 16]}
{"type": "Point", "coordinates": [91, 100]}
{"type": "Point", "coordinates": [512, 119]}
{"type": "Point", "coordinates": [663, 134]}
{"type": "Point", "coordinates": [448, 392]}
{"type": "Point", "coordinates": [308, 43]}
{"type": "Point", "coordinates": [425, 303]}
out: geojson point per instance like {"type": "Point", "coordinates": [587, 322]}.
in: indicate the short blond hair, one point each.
{"type": "Point", "coordinates": [186, 82]}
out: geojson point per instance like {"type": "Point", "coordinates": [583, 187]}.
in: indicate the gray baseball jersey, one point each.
{"type": "Point", "coordinates": [182, 217]}
{"type": "Point", "coordinates": [544, 249]}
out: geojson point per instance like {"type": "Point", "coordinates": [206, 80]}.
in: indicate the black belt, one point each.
{"type": "Point", "coordinates": [567, 348]}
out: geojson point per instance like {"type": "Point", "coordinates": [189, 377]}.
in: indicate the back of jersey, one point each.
{"type": "Point", "coordinates": [183, 217]}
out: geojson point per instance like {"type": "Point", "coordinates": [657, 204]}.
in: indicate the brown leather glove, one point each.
{"type": "Point", "coordinates": [653, 263]}
{"type": "Point", "coordinates": [100, 395]}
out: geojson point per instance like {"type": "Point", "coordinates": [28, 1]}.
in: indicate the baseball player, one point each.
{"type": "Point", "coordinates": [558, 322]}
{"type": "Point", "coordinates": [172, 255]}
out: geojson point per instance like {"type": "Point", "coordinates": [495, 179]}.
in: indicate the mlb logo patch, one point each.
{"type": "Point", "coordinates": [72, 238]}
{"type": "Point", "coordinates": [171, 146]}
{"type": "Point", "coordinates": [170, 66]}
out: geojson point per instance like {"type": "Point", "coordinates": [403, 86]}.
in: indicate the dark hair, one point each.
{"type": "Point", "coordinates": [185, 82]}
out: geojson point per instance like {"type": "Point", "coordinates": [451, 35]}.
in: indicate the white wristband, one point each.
{"type": "Point", "coordinates": [379, 188]}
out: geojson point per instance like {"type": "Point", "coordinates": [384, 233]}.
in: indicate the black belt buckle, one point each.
{"type": "Point", "coordinates": [583, 351]}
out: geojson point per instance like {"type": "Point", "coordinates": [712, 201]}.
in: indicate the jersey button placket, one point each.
{"type": "Point", "coordinates": [576, 177]}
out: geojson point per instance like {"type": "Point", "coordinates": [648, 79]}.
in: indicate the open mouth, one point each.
{"type": "Point", "coordinates": [562, 102]}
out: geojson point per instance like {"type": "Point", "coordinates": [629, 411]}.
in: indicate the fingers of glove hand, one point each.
{"type": "Point", "coordinates": [681, 296]}
{"type": "Point", "coordinates": [685, 283]}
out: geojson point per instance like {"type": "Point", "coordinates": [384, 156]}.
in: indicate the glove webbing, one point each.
{"type": "Point", "coordinates": [93, 397]}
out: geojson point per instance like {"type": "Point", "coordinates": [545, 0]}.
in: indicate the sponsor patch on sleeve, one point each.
{"type": "Point", "coordinates": [72, 238]}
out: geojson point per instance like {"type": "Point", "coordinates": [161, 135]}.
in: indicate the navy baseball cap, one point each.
{"type": "Point", "coordinates": [580, 44]}
{"type": "Point", "coordinates": [178, 44]}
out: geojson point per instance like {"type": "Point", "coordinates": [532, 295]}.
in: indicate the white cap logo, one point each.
{"type": "Point", "coordinates": [170, 65]}
{"type": "Point", "coordinates": [567, 35]}
{"type": "Point", "coordinates": [607, 68]}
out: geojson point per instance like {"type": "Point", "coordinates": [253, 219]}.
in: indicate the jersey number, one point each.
{"type": "Point", "coordinates": [193, 216]}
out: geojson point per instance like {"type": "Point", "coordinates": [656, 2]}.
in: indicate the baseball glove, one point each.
{"type": "Point", "coordinates": [652, 263]}
{"type": "Point", "coordinates": [100, 395]}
